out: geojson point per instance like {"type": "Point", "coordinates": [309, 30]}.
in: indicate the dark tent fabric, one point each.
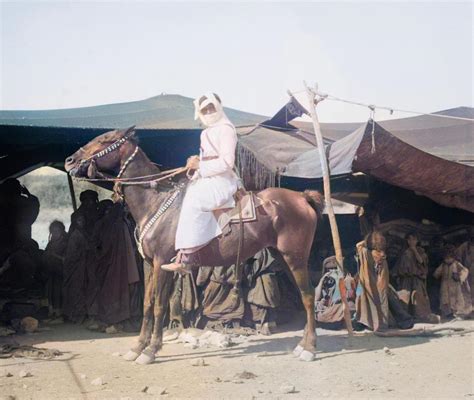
{"type": "Point", "coordinates": [166, 111]}
{"type": "Point", "coordinates": [166, 127]}
{"type": "Point", "coordinates": [447, 138]}
{"type": "Point", "coordinates": [374, 151]}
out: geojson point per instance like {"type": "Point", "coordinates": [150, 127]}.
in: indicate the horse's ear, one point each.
{"type": "Point", "coordinates": [128, 132]}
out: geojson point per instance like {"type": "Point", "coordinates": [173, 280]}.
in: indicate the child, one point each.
{"type": "Point", "coordinates": [455, 293]}
{"type": "Point", "coordinates": [54, 256]}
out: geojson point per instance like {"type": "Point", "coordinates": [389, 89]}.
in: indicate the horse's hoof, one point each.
{"type": "Point", "coordinates": [298, 350]}
{"type": "Point", "coordinates": [306, 356]}
{"type": "Point", "coordinates": [144, 359]}
{"type": "Point", "coordinates": [130, 356]}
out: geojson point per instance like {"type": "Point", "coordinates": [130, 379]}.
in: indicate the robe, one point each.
{"type": "Point", "coordinates": [53, 260]}
{"type": "Point", "coordinates": [377, 306]}
{"type": "Point", "coordinates": [263, 293]}
{"type": "Point", "coordinates": [117, 267]}
{"type": "Point", "coordinates": [411, 276]}
{"type": "Point", "coordinates": [465, 255]}
{"type": "Point", "coordinates": [75, 276]}
{"type": "Point", "coordinates": [218, 303]}
{"type": "Point", "coordinates": [455, 294]}
{"type": "Point", "coordinates": [211, 188]}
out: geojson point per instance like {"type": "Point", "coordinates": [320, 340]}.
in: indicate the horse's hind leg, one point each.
{"type": "Point", "coordinates": [162, 282]}
{"type": "Point", "coordinates": [147, 322]}
{"type": "Point", "coordinates": [306, 349]}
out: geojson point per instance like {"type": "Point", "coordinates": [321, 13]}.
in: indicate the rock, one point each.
{"type": "Point", "coordinates": [145, 388]}
{"type": "Point", "coordinates": [198, 362]}
{"type": "Point", "coordinates": [24, 374]}
{"type": "Point", "coordinates": [4, 331]}
{"type": "Point", "coordinates": [191, 346]}
{"type": "Point", "coordinates": [170, 335]}
{"type": "Point", "coordinates": [387, 351]}
{"type": "Point", "coordinates": [238, 381]}
{"type": "Point", "coordinates": [116, 354]}
{"type": "Point", "coordinates": [83, 376]}
{"type": "Point", "coordinates": [287, 389]}
{"type": "Point", "coordinates": [29, 324]}
{"type": "Point", "coordinates": [98, 382]}
{"type": "Point", "coordinates": [156, 390]}
{"type": "Point", "coordinates": [111, 330]}
{"type": "Point", "coordinates": [246, 375]}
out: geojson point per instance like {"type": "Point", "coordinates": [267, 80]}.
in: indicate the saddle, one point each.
{"type": "Point", "coordinates": [248, 202]}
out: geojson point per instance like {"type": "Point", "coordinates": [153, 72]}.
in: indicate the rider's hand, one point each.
{"type": "Point", "coordinates": [193, 162]}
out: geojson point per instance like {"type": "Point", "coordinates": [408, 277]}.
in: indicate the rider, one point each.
{"type": "Point", "coordinates": [213, 183]}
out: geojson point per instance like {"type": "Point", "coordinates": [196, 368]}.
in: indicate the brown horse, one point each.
{"type": "Point", "coordinates": [286, 221]}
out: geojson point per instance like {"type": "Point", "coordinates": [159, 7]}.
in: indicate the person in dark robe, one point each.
{"type": "Point", "coordinates": [410, 272]}
{"type": "Point", "coordinates": [20, 257]}
{"type": "Point", "coordinates": [435, 257]}
{"type": "Point", "coordinates": [89, 209]}
{"type": "Point", "coordinates": [455, 294]}
{"type": "Point", "coordinates": [263, 292]}
{"type": "Point", "coordinates": [465, 255]}
{"type": "Point", "coordinates": [184, 301]}
{"type": "Point", "coordinates": [53, 260]}
{"type": "Point", "coordinates": [117, 268]}
{"type": "Point", "coordinates": [378, 306]}
{"type": "Point", "coordinates": [75, 273]}
{"type": "Point", "coordinates": [220, 305]}
{"type": "Point", "coordinates": [328, 302]}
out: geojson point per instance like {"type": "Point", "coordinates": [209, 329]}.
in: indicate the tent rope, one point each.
{"type": "Point", "coordinates": [390, 109]}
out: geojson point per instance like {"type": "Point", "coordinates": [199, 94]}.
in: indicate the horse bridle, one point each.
{"type": "Point", "coordinates": [114, 146]}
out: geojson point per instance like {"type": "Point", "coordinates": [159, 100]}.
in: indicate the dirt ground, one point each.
{"type": "Point", "coordinates": [427, 368]}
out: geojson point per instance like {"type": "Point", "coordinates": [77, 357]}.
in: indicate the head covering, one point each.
{"type": "Point", "coordinates": [330, 263]}
{"type": "Point", "coordinates": [89, 194]}
{"type": "Point", "coordinates": [208, 120]}
{"type": "Point", "coordinates": [376, 241]}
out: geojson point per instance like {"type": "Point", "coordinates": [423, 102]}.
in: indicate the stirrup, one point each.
{"type": "Point", "coordinates": [174, 267]}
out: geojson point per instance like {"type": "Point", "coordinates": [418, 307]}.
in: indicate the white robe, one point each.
{"type": "Point", "coordinates": [211, 188]}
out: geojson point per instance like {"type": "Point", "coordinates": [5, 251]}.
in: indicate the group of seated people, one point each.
{"type": "Point", "coordinates": [380, 297]}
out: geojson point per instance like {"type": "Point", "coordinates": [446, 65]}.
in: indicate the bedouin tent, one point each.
{"type": "Point", "coordinates": [271, 151]}
{"type": "Point", "coordinates": [165, 124]}
{"type": "Point", "coordinates": [428, 155]}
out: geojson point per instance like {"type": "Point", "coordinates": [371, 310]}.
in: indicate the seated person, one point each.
{"type": "Point", "coordinates": [328, 302]}
{"type": "Point", "coordinates": [377, 305]}
{"type": "Point", "coordinates": [455, 293]}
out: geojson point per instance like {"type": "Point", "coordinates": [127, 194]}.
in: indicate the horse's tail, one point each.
{"type": "Point", "coordinates": [315, 200]}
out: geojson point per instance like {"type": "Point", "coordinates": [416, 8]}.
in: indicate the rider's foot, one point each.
{"type": "Point", "coordinates": [177, 267]}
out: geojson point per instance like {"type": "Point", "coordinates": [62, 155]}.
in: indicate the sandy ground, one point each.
{"type": "Point", "coordinates": [427, 368]}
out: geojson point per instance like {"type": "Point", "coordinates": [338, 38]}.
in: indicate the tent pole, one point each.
{"type": "Point", "coordinates": [327, 197]}
{"type": "Point", "coordinates": [71, 191]}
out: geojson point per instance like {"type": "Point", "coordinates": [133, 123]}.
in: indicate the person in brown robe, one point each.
{"type": "Point", "coordinates": [465, 255]}
{"type": "Point", "coordinates": [53, 260]}
{"type": "Point", "coordinates": [377, 305]}
{"type": "Point", "coordinates": [75, 273]}
{"type": "Point", "coordinates": [117, 268]}
{"type": "Point", "coordinates": [219, 302]}
{"type": "Point", "coordinates": [455, 292]}
{"type": "Point", "coordinates": [184, 301]}
{"type": "Point", "coordinates": [263, 292]}
{"type": "Point", "coordinates": [410, 272]}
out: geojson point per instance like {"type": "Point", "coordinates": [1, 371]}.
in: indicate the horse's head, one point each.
{"type": "Point", "coordinates": [104, 153]}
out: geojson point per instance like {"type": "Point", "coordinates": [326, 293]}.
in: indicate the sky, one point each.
{"type": "Point", "coordinates": [410, 55]}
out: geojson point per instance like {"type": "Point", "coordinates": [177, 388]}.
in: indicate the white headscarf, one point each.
{"type": "Point", "coordinates": [216, 118]}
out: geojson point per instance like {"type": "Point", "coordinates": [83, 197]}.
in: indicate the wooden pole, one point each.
{"type": "Point", "coordinates": [71, 191]}
{"type": "Point", "coordinates": [329, 208]}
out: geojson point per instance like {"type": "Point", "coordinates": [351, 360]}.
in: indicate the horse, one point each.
{"type": "Point", "coordinates": [286, 220]}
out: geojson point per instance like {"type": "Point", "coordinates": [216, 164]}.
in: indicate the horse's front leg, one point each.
{"type": "Point", "coordinates": [147, 322]}
{"type": "Point", "coordinates": [162, 282]}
